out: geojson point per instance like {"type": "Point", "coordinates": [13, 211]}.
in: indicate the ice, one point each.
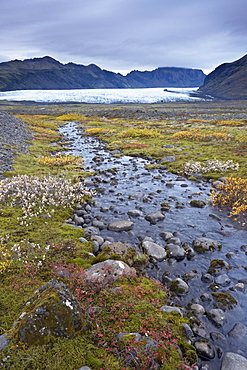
{"type": "Point", "coordinates": [102, 96]}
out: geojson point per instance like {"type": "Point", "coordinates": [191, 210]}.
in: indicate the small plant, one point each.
{"type": "Point", "coordinates": [210, 166]}
{"type": "Point", "coordinates": [231, 195]}
{"type": "Point", "coordinates": [197, 135]}
{"type": "Point", "coordinates": [36, 195]}
{"type": "Point", "coordinates": [139, 132]}
{"type": "Point", "coordinates": [98, 131]}
{"type": "Point", "coordinates": [71, 117]}
{"type": "Point", "coordinates": [60, 160]}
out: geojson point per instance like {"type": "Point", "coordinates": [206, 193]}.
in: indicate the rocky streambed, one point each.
{"type": "Point", "coordinates": [198, 252]}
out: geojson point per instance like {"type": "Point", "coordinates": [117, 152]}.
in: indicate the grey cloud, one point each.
{"type": "Point", "coordinates": [125, 34]}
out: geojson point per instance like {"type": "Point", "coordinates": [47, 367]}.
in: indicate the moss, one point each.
{"type": "Point", "coordinates": [174, 286]}
{"type": "Point", "coordinates": [217, 264]}
{"type": "Point", "coordinates": [224, 300]}
{"type": "Point", "coordinates": [188, 351]}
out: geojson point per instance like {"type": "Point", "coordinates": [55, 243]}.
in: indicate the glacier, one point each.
{"type": "Point", "coordinates": [103, 96]}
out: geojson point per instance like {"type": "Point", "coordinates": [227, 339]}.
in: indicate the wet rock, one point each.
{"type": "Point", "coordinates": [136, 195]}
{"type": "Point", "coordinates": [190, 252]}
{"type": "Point", "coordinates": [134, 213]}
{"type": "Point", "coordinates": [207, 278]}
{"type": "Point", "coordinates": [154, 250]}
{"type": "Point", "coordinates": [203, 244]}
{"type": "Point", "coordinates": [216, 217]}
{"type": "Point", "coordinates": [188, 331]}
{"type": "Point", "coordinates": [99, 224]}
{"type": "Point", "coordinates": [119, 251]}
{"type": "Point", "coordinates": [108, 272]}
{"type": "Point", "coordinates": [239, 330]}
{"type": "Point", "coordinates": [197, 203]}
{"type": "Point", "coordinates": [4, 342]}
{"type": "Point", "coordinates": [169, 309]}
{"type": "Point", "coordinates": [197, 309]}
{"type": "Point", "coordinates": [239, 287]}
{"type": "Point", "coordinates": [179, 286]}
{"type": "Point", "coordinates": [217, 337]}
{"type": "Point", "coordinates": [205, 297]}
{"type": "Point", "coordinates": [204, 349]}
{"type": "Point", "coordinates": [84, 368]}
{"type": "Point", "coordinates": [78, 220]}
{"type": "Point", "coordinates": [120, 226]}
{"type": "Point", "coordinates": [232, 361]}
{"type": "Point", "coordinates": [166, 235]}
{"type": "Point", "coordinates": [174, 240]}
{"type": "Point", "coordinates": [91, 230]}
{"type": "Point", "coordinates": [243, 248]}
{"type": "Point", "coordinates": [97, 238]}
{"type": "Point", "coordinates": [199, 329]}
{"type": "Point", "coordinates": [222, 280]}
{"type": "Point", "coordinates": [155, 217]}
{"type": "Point", "coordinates": [217, 317]}
{"type": "Point", "coordinates": [217, 266]}
{"type": "Point", "coordinates": [51, 312]}
{"type": "Point", "coordinates": [175, 251]}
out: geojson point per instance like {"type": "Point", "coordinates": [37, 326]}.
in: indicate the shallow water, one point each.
{"type": "Point", "coordinates": [187, 222]}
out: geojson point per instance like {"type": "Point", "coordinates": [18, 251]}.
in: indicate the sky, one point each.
{"type": "Point", "coordinates": [125, 35]}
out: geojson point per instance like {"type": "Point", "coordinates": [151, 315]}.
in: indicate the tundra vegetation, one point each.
{"type": "Point", "coordinates": [35, 242]}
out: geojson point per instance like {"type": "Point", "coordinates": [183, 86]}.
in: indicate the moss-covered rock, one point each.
{"type": "Point", "coordinates": [224, 301]}
{"type": "Point", "coordinates": [117, 251]}
{"type": "Point", "coordinates": [203, 244]}
{"type": "Point", "coordinates": [51, 312]}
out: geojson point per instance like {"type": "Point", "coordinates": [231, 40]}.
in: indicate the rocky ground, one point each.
{"type": "Point", "coordinates": [208, 342]}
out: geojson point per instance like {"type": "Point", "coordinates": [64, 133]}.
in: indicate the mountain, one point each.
{"type": "Point", "coordinates": [227, 81]}
{"type": "Point", "coordinates": [48, 74]}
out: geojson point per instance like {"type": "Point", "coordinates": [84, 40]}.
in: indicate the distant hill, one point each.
{"type": "Point", "coordinates": [48, 74]}
{"type": "Point", "coordinates": [227, 81]}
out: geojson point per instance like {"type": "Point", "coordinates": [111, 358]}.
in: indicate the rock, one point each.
{"type": "Point", "coordinates": [153, 218]}
{"type": "Point", "coordinates": [84, 368]}
{"type": "Point", "coordinates": [99, 224]}
{"type": "Point", "coordinates": [166, 235]}
{"type": "Point", "coordinates": [3, 342]}
{"type": "Point", "coordinates": [232, 361]}
{"type": "Point", "coordinates": [91, 230]}
{"type": "Point", "coordinates": [197, 203]}
{"type": "Point", "coordinates": [217, 266]}
{"type": "Point", "coordinates": [175, 251]}
{"type": "Point", "coordinates": [154, 250]}
{"type": "Point", "coordinates": [197, 309]}
{"type": "Point", "coordinates": [204, 349]}
{"type": "Point", "coordinates": [118, 251]}
{"type": "Point", "coordinates": [97, 238]}
{"type": "Point", "coordinates": [108, 272]}
{"type": "Point", "coordinates": [190, 253]}
{"type": "Point", "coordinates": [136, 195]}
{"type": "Point", "coordinates": [120, 226]}
{"type": "Point", "coordinates": [134, 213]}
{"type": "Point", "coordinates": [168, 158]}
{"type": "Point", "coordinates": [83, 240]}
{"type": "Point", "coordinates": [207, 278]}
{"type": "Point", "coordinates": [169, 309]}
{"type": "Point", "coordinates": [179, 286]}
{"type": "Point", "coordinates": [239, 287]}
{"type": "Point", "coordinates": [238, 331]}
{"type": "Point", "coordinates": [51, 312]}
{"type": "Point", "coordinates": [174, 240]}
{"type": "Point", "coordinates": [78, 220]}
{"type": "Point", "coordinates": [188, 331]}
{"type": "Point", "coordinates": [217, 317]}
{"type": "Point", "coordinates": [222, 280]}
{"type": "Point", "coordinates": [203, 244]}
{"type": "Point", "coordinates": [199, 329]}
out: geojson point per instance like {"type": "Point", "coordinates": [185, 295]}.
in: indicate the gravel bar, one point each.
{"type": "Point", "coordinates": [14, 137]}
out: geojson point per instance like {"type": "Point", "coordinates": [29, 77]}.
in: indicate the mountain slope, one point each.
{"type": "Point", "coordinates": [227, 81]}
{"type": "Point", "coordinates": [47, 73]}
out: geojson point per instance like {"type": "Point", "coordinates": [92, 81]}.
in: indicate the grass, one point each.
{"type": "Point", "coordinates": [35, 243]}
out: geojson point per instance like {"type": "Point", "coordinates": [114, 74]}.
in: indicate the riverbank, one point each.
{"type": "Point", "coordinates": [152, 182]}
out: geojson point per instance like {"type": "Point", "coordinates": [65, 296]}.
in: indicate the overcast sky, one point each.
{"type": "Point", "coordinates": [122, 35]}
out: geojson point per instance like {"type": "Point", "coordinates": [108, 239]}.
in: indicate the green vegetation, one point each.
{"type": "Point", "coordinates": [36, 246]}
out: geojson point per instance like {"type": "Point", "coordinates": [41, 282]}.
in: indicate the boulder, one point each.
{"type": "Point", "coordinates": [108, 271]}
{"type": "Point", "coordinates": [118, 251]}
{"type": "Point", "coordinates": [204, 349]}
{"type": "Point", "coordinates": [217, 317]}
{"type": "Point", "coordinates": [154, 250]}
{"type": "Point", "coordinates": [203, 244]}
{"type": "Point", "coordinates": [155, 217]}
{"type": "Point", "coordinates": [51, 312]}
{"type": "Point", "coordinates": [120, 226]}
{"type": "Point", "coordinates": [175, 251]}
{"type": "Point", "coordinates": [233, 361]}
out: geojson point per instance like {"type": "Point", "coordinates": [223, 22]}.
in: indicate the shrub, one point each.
{"type": "Point", "coordinates": [60, 160]}
{"type": "Point", "coordinates": [209, 166]}
{"type": "Point", "coordinates": [232, 195]}
{"type": "Point", "coordinates": [139, 132]}
{"type": "Point", "coordinates": [197, 135]}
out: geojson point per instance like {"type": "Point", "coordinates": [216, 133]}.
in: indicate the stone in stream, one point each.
{"type": "Point", "coordinates": [217, 317]}
{"type": "Point", "coordinates": [134, 213]}
{"type": "Point", "coordinates": [155, 217]}
{"type": "Point", "coordinates": [179, 286]}
{"type": "Point", "coordinates": [154, 250]}
{"type": "Point", "coordinates": [197, 203]}
{"type": "Point", "coordinates": [175, 251]}
{"type": "Point", "coordinates": [204, 349]}
{"type": "Point", "coordinates": [203, 244]}
{"type": "Point", "coordinates": [120, 251]}
{"type": "Point", "coordinates": [238, 331]}
{"type": "Point", "coordinates": [120, 226]}
{"type": "Point", "coordinates": [233, 361]}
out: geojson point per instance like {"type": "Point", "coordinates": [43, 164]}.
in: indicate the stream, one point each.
{"type": "Point", "coordinates": [124, 184]}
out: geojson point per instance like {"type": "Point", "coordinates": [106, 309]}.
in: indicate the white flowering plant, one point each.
{"type": "Point", "coordinates": [214, 165]}
{"type": "Point", "coordinates": [36, 195]}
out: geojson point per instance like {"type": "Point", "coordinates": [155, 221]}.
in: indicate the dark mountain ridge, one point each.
{"type": "Point", "coordinates": [49, 74]}
{"type": "Point", "coordinates": [227, 81]}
